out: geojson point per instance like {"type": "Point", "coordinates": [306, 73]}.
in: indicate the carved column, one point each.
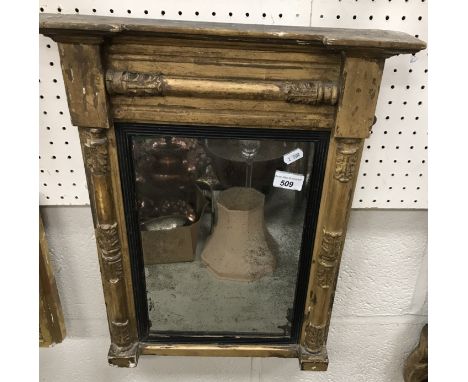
{"type": "Point", "coordinates": [344, 157]}
{"type": "Point", "coordinates": [83, 74]}
{"type": "Point", "coordinates": [124, 347]}
{"type": "Point", "coordinates": [355, 116]}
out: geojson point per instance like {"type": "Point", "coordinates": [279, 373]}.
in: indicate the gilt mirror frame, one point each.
{"type": "Point", "coordinates": [106, 82]}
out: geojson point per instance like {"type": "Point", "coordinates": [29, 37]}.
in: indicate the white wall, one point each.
{"type": "Point", "coordinates": [380, 307]}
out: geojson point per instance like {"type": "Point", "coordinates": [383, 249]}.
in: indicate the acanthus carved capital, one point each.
{"type": "Point", "coordinates": [107, 237]}
{"type": "Point", "coordinates": [347, 155]}
{"type": "Point", "coordinates": [136, 84]}
{"type": "Point", "coordinates": [96, 151]}
{"type": "Point", "coordinates": [310, 93]}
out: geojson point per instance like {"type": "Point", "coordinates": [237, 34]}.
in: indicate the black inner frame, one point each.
{"type": "Point", "coordinates": [124, 133]}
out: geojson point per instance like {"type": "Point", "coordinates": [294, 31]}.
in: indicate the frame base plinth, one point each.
{"type": "Point", "coordinates": [123, 358]}
{"type": "Point", "coordinates": [313, 361]}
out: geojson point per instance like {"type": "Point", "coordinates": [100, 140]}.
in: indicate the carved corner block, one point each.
{"type": "Point", "coordinates": [313, 362]}
{"type": "Point", "coordinates": [84, 84]}
{"type": "Point", "coordinates": [124, 357]}
{"type": "Point", "coordinates": [359, 90]}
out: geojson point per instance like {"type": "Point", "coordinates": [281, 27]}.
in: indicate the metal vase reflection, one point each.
{"type": "Point", "coordinates": [170, 204]}
{"type": "Point", "coordinates": [173, 238]}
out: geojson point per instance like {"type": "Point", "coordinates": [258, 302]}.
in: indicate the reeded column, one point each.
{"type": "Point", "coordinates": [124, 347]}
{"type": "Point", "coordinates": [83, 74]}
{"type": "Point", "coordinates": [355, 115]}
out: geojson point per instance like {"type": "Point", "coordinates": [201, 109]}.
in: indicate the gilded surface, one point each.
{"type": "Point", "coordinates": [80, 36]}
{"type": "Point", "coordinates": [347, 154]}
{"type": "Point", "coordinates": [156, 84]}
{"type": "Point", "coordinates": [131, 83]}
{"type": "Point", "coordinates": [121, 334]}
{"type": "Point", "coordinates": [325, 276]}
{"type": "Point", "coordinates": [331, 246]}
{"type": "Point", "coordinates": [330, 250]}
{"type": "Point", "coordinates": [96, 153]}
{"type": "Point", "coordinates": [107, 237]}
{"type": "Point", "coordinates": [314, 337]}
{"type": "Point", "coordinates": [310, 93]}
{"type": "Point", "coordinates": [96, 157]}
{"type": "Point", "coordinates": [417, 366]}
{"type": "Point", "coordinates": [51, 321]}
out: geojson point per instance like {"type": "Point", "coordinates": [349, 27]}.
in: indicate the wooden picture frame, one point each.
{"type": "Point", "coordinates": [155, 71]}
{"type": "Point", "coordinates": [416, 368]}
{"type": "Point", "coordinates": [51, 322]}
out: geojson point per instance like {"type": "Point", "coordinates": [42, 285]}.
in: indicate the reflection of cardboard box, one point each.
{"type": "Point", "coordinates": [174, 245]}
{"type": "Point", "coordinates": [170, 246]}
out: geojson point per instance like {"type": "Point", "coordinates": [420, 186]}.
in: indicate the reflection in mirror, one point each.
{"type": "Point", "coordinates": [221, 223]}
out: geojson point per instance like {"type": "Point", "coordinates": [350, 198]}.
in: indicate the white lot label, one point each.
{"type": "Point", "coordinates": [293, 156]}
{"type": "Point", "coordinates": [288, 180]}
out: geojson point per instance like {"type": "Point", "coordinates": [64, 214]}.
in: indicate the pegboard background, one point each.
{"type": "Point", "coordinates": [393, 172]}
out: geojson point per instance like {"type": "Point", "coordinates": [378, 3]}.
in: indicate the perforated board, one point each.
{"type": "Point", "coordinates": [393, 173]}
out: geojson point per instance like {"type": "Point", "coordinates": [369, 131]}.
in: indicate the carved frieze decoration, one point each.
{"type": "Point", "coordinates": [310, 93]}
{"type": "Point", "coordinates": [347, 155]}
{"type": "Point", "coordinates": [107, 237]}
{"type": "Point", "coordinates": [136, 84]}
{"type": "Point", "coordinates": [157, 84]}
{"type": "Point", "coordinates": [96, 152]}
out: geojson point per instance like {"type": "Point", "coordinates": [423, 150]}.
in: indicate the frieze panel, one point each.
{"type": "Point", "coordinates": [157, 84]}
